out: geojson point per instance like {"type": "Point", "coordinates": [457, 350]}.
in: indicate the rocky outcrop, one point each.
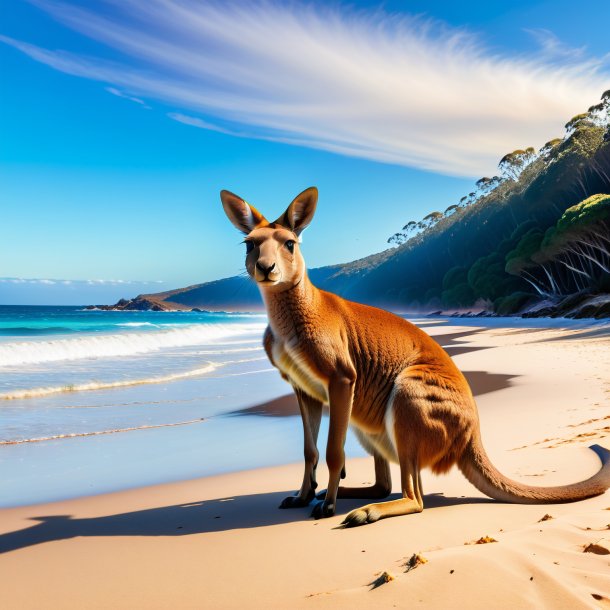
{"type": "Point", "coordinates": [142, 303]}
{"type": "Point", "coordinates": [574, 306]}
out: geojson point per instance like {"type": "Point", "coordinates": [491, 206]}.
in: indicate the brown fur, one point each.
{"type": "Point", "coordinates": [402, 393]}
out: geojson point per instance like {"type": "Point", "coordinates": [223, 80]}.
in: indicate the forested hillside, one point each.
{"type": "Point", "coordinates": [536, 233]}
{"type": "Point", "coordinates": [460, 256]}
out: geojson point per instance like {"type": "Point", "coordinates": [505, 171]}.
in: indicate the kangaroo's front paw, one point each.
{"type": "Point", "coordinates": [323, 509]}
{"type": "Point", "coordinates": [361, 516]}
{"type": "Point", "coordinates": [296, 501]}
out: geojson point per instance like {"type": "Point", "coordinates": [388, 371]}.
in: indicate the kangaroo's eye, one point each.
{"type": "Point", "coordinates": [249, 246]}
{"type": "Point", "coordinates": [290, 246]}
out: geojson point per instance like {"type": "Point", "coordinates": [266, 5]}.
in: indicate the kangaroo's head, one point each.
{"type": "Point", "coordinates": [273, 256]}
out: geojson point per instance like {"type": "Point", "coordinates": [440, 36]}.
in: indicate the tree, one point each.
{"type": "Point", "coordinates": [432, 218]}
{"type": "Point", "coordinates": [456, 290]}
{"type": "Point", "coordinates": [519, 259]}
{"type": "Point", "coordinates": [397, 238]}
{"type": "Point", "coordinates": [577, 121]}
{"type": "Point", "coordinates": [549, 146]}
{"type": "Point", "coordinates": [512, 164]}
{"type": "Point", "coordinates": [482, 183]}
{"type": "Point", "coordinates": [571, 256]}
{"type": "Point", "coordinates": [599, 114]}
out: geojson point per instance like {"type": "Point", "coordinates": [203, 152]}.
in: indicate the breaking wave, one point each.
{"type": "Point", "coordinates": [123, 344]}
{"type": "Point", "coordinates": [105, 385]}
{"type": "Point", "coordinates": [56, 437]}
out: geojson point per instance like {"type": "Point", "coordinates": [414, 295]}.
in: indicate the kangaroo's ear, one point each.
{"type": "Point", "coordinates": [244, 216]}
{"type": "Point", "coordinates": [300, 212]}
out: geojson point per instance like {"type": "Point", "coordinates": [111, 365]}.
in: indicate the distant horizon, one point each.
{"type": "Point", "coordinates": [65, 292]}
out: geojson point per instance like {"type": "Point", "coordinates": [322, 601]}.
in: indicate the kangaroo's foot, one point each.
{"type": "Point", "coordinates": [322, 509]}
{"type": "Point", "coordinates": [298, 500]}
{"type": "Point", "coordinates": [307, 493]}
{"type": "Point", "coordinates": [373, 512]}
{"type": "Point", "coordinates": [301, 498]}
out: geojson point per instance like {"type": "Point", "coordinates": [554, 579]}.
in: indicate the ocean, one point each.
{"type": "Point", "coordinates": [97, 401]}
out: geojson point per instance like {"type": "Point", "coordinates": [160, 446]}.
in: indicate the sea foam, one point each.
{"type": "Point", "coordinates": [56, 437]}
{"type": "Point", "coordinates": [105, 385]}
{"type": "Point", "coordinates": [120, 344]}
{"type": "Point", "coordinates": [123, 383]}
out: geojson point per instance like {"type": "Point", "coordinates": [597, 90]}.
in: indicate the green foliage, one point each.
{"type": "Point", "coordinates": [459, 295]}
{"type": "Point", "coordinates": [572, 255]}
{"type": "Point", "coordinates": [521, 256]}
{"type": "Point", "coordinates": [518, 233]}
{"type": "Point", "coordinates": [574, 222]}
{"type": "Point", "coordinates": [487, 278]}
{"type": "Point", "coordinates": [456, 290]}
{"type": "Point", "coordinates": [549, 146]}
{"type": "Point", "coordinates": [455, 276]}
{"type": "Point", "coordinates": [575, 120]}
{"type": "Point", "coordinates": [593, 209]}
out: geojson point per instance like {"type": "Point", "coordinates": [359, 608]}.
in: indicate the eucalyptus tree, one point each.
{"type": "Point", "coordinates": [571, 256]}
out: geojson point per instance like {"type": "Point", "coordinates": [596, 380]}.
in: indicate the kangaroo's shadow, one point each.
{"type": "Point", "coordinates": [221, 514]}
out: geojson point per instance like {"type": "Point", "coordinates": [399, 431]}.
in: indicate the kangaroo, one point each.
{"type": "Point", "coordinates": [404, 397]}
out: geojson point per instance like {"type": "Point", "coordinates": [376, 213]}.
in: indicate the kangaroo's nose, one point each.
{"type": "Point", "coordinates": [265, 270]}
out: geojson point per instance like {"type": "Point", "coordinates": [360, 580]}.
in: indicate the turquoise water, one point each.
{"type": "Point", "coordinates": [95, 401]}
{"type": "Point", "coordinates": [32, 321]}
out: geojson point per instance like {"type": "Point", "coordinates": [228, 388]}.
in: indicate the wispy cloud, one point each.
{"type": "Point", "coordinates": [200, 123]}
{"type": "Point", "coordinates": [51, 282]}
{"type": "Point", "coordinates": [125, 96]}
{"type": "Point", "coordinates": [367, 84]}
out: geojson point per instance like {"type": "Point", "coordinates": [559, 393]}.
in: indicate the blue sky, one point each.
{"type": "Point", "coordinates": [121, 122]}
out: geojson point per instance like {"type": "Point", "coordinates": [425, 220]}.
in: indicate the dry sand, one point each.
{"type": "Point", "coordinates": [221, 542]}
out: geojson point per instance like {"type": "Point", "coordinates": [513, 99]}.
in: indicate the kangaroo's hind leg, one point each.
{"type": "Point", "coordinates": [383, 477]}
{"type": "Point", "coordinates": [429, 422]}
{"type": "Point", "coordinates": [382, 487]}
{"type": "Point", "coordinates": [404, 441]}
{"type": "Point", "coordinates": [411, 501]}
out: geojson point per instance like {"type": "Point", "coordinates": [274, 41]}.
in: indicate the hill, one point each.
{"type": "Point", "coordinates": [511, 245]}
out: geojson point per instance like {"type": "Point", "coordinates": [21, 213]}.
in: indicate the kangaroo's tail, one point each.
{"type": "Point", "coordinates": [479, 470]}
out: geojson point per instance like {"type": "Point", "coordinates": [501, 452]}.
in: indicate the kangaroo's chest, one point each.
{"type": "Point", "coordinates": [300, 370]}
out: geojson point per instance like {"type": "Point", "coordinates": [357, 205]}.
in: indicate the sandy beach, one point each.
{"type": "Point", "coordinates": [221, 542]}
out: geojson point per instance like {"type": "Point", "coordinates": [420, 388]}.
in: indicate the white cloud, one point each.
{"type": "Point", "coordinates": [200, 123]}
{"type": "Point", "coordinates": [46, 281]}
{"type": "Point", "coordinates": [367, 84]}
{"type": "Point", "coordinates": [131, 98]}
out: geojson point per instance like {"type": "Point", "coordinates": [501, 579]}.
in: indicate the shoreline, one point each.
{"type": "Point", "coordinates": [589, 305]}
{"type": "Point", "coordinates": [255, 412]}
{"type": "Point", "coordinates": [220, 541]}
